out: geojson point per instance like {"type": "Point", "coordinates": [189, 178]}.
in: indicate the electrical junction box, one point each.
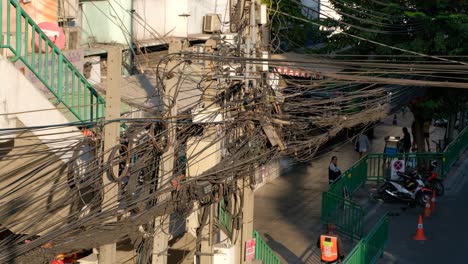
{"type": "Point", "coordinates": [230, 38]}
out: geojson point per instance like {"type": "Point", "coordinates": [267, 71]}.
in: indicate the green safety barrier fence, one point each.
{"type": "Point", "coordinates": [376, 240]}
{"type": "Point", "coordinates": [454, 150]}
{"type": "Point", "coordinates": [380, 165]}
{"type": "Point", "coordinates": [344, 213]}
{"type": "Point", "coordinates": [357, 254]}
{"type": "Point", "coordinates": [47, 62]}
{"type": "Point", "coordinates": [351, 179]}
{"type": "Point", "coordinates": [263, 251]}
{"type": "Point", "coordinates": [370, 248]}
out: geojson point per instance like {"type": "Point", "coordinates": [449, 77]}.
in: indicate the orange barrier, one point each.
{"type": "Point", "coordinates": [427, 209]}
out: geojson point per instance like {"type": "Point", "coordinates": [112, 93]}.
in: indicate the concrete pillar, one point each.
{"type": "Point", "coordinates": [206, 253]}
{"type": "Point", "coordinates": [107, 253]}
{"type": "Point", "coordinates": [161, 237]}
{"type": "Point", "coordinates": [247, 216]}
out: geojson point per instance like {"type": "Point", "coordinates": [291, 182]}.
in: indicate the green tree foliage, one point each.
{"type": "Point", "coordinates": [430, 27]}
{"type": "Point", "coordinates": [286, 32]}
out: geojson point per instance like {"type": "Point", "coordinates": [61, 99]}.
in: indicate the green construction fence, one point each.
{"type": "Point", "coordinates": [370, 248]}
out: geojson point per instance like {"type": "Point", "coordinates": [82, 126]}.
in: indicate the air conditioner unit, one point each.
{"type": "Point", "coordinates": [212, 23]}
{"type": "Point", "coordinates": [72, 37]}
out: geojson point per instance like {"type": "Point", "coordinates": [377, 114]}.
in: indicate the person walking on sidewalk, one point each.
{"type": "Point", "coordinates": [406, 141]}
{"type": "Point", "coordinates": [330, 245]}
{"type": "Point", "coordinates": [333, 170]}
{"type": "Point", "coordinates": [362, 145]}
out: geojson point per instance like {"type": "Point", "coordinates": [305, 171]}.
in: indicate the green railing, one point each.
{"type": "Point", "coordinates": [351, 179]}
{"type": "Point", "coordinates": [224, 218]}
{"type": "Point", "coordinates": [379, 165]}
{"type": "Point", "coordinates": [454, 149]}
{"type": "Point", "coordinates": [357, 254]}
{"type": "Point", "coordinates": [370, 248]}
{"type": "Point", "coordinates": [344, 213]}
{"type": "Point", "coordinates": [263, 252]}
{"type": "Point", "coordinates": [48, 63]}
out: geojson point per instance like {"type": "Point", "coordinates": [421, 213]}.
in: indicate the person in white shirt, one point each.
{"type": "Point", "coordinates": [362, 145]}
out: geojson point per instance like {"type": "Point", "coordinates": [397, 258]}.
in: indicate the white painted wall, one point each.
{"type": "Point", "coordinates": [21, 99]}
{"type": "Point", "coordinates": [106, 21]}
{"type": "Point", "coordinates": [163, 18]}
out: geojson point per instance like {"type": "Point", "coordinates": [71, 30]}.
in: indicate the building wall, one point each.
{"type": "Point", "coordinates": [106, 22]}
{"type": "Point", "coordinates": [157, 18]}
{"type": "Point", "coordinates": [38, 10]}
{"type": "Point", "coordinates": [21, 99]}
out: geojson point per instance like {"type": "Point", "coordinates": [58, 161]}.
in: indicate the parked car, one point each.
{"type": "Point", "coordinates": [441, 122]}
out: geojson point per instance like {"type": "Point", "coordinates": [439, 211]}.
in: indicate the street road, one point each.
{"type": "Point", "coordinates": [445, 230]}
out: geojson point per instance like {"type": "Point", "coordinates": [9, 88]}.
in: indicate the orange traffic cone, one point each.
{"type": "Point", "coordinates": [433, 201]}
{"type": "Point", "coordinates": [420, 231]}
{"type": "Point", "coordinates": [427, 209]}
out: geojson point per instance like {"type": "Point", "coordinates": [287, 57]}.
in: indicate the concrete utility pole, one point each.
{"type": "Point", "coordinates": [248, 194]}
{"type": "Point", "coordinates": [107, 253]}
{"type": "Point", "coordinates": [160, 242]}
{"type": "Point", "coordinates": [206, 254]}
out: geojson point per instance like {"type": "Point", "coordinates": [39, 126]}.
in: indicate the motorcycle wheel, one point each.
{"type": "Point", "coordinates": [423, 197]}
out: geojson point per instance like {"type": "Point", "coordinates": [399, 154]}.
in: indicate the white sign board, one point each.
{"type": "Point", "coordinates": [396, 165]}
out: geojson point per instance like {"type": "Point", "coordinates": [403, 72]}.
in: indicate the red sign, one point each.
{"type": "Point", "coordinates": [250, 250]}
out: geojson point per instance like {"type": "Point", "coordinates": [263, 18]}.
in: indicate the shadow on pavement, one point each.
{"type": "Point", "coordinates": [281, 249]}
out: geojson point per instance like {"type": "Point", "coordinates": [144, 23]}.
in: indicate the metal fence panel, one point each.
{"type": "Point", "coordinates": [351, 179]}
{"type": "Point", "coordinates": [379, 165]}
{"type": "Point", "coordinates": [263, 251]}
{"type": "Point", "coordinates": [344, 213]}
{"type": "Point", "coordinates": [376, 241]}
{"type": "Point", "coordinates": [357, 255]}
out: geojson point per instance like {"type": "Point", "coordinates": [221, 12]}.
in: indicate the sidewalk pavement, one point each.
{"type": "Point", "coordinates": [287, 210]}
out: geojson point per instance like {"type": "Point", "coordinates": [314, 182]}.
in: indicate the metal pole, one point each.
{"type": "Point", "coordinates": [107, 253]}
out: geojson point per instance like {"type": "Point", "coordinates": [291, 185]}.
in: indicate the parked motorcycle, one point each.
{"type": "Point", "coordinates": [408, 189]}
{"type": "Point", "coordinates": [432, 181]}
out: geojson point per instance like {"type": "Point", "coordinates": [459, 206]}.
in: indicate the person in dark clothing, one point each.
{"type": "Point", "coordinates": [406, 141]}
{"type": "Point", "coordinates": [331, 246]}
{"type": "Point", "coordinates": [333, 170]}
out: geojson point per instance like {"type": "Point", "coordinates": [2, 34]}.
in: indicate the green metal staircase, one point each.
{"type": "Point", "coordinates": [47, 62]}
